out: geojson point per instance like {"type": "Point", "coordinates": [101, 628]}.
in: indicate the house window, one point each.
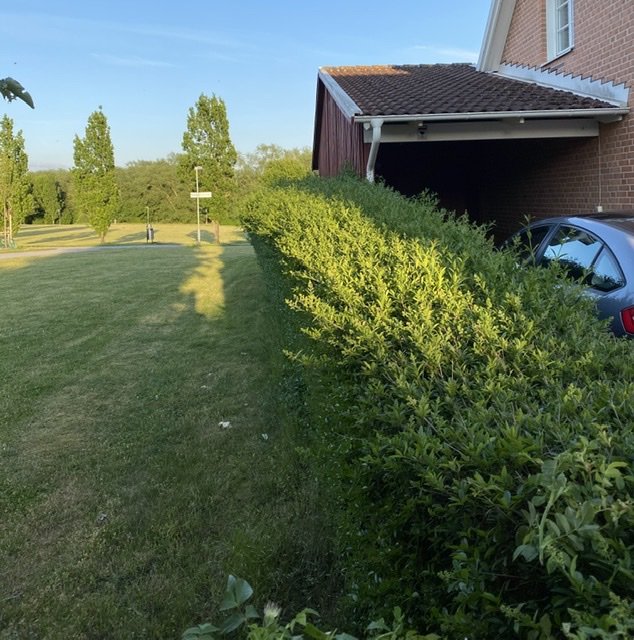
{"type": "Point", "coordinates": [559, 22]}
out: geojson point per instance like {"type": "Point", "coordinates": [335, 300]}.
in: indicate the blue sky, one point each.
{"type": "Point", "coordinates": [146, 63]}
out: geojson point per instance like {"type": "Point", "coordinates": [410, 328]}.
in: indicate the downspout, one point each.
{"type": "Point", "coordinates": [376, 124]}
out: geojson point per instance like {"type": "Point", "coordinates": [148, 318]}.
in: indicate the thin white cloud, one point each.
{"type": "Point", "coordinates": [188, 35]}
{"type": "Point", "coordinates": [449, 53]}
{"type": "Point", "coordinates": [57, 27]}
{"type": "Point", "coordinates": [130, 61]}
{"type": "Point", "coordinates": [222, 57]}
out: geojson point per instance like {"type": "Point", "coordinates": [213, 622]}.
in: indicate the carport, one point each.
{"type": "Point", "coordinates": [496, 147]}
{"type": "Point", "coordinates": [490, 180]}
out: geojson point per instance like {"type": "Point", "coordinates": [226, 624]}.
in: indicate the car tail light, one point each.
{"type": "Point", "coordinates": [627, 316]}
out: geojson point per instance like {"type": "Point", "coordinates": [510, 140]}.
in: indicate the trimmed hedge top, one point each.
{"type": "Point", "coordinates": [488, 463]}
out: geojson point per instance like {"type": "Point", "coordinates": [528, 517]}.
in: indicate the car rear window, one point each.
{"type": "Point", "coordinates": [606, 273]}
{"type": "Point", "coordinates": [585, 258]}
{"type": "Point", "coordinates": [574, 249]}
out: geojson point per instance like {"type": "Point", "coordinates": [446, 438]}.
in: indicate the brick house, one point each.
{"type": "Point", "coordinates": [539, 126]}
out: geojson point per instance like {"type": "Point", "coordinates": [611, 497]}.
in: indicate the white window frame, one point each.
{"type": "Point", "coordinates": [554, 29]}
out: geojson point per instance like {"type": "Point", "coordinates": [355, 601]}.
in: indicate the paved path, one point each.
{"type": "Point", "coordinates": [61, 250]}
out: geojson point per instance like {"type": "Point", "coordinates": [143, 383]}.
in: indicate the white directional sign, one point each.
{"type": "Point", "coordinates": [200, 194]}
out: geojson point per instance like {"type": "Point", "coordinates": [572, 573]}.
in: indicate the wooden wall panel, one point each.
{"type": "Point", "coordinates": [340, 141]}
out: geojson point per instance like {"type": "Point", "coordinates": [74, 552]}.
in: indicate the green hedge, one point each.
{"type": "Point", "coordinates": [486, 444]}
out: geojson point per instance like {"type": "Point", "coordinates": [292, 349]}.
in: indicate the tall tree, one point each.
{"type": "Point", "coordinates": [94, 178]}
{"type": "Point", "coordinates": [15, 187]}
{"type": "Point", "coordinates": [207, 144]}
{"type": "Point", "coordinates": [49, 196]}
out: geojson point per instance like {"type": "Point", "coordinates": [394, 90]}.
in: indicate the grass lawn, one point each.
{"type": "Point", "coordinates": [124, 503]}
{"type": "Point", "coordinates": [41, 236]}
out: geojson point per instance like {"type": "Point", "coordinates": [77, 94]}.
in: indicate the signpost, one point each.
{"type": "Point", "coordinates": [198, 195]}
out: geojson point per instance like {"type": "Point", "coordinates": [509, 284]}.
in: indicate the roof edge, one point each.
{"type": "Point", "coordinates": [601, 113]}
{"type": "Point", "coordinates": [347, 105]}
{"type": "Point", "coordinates": [319, 105]}
{"type": "Point", "coordinates": [495, 34]}
{"type": "Point", "coordinates": [615, 94]}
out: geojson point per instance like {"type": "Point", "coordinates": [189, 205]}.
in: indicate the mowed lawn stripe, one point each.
{"type": "Point", "coordinates": [120, 492]}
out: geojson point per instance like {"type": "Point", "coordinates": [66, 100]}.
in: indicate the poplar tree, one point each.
{"type": "Point", "coordinates": [15, 186]}
{"type": "Point", "coordinates": [207, 144]}
{"type": "Point", "coordinates": [96, 191]}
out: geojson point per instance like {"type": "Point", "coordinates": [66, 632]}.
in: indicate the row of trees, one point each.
{"type": "Point", "coordinates": [15, 188]}
{"type": "Point", "coordinates": [93, 180]}
{"type": "Point", "coordinates": [15, 193]}
{"type": "Point", "coordinates": [97, 192]}
{"type": "Point", "coordinates": [154, 189]}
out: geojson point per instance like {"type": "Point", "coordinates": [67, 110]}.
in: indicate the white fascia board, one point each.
{"type": "Point", "coordinates": [347, 105]}
{"type": "Point", "coordinates": [481, 130]}
{"type": "Point", "coordinates": [603, 115]}
{"type": "Point", "coordinates": [495, 34]}
{"type": "Point", "coordinates": [616, 94]}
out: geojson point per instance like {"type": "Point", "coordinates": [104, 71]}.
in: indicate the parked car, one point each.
{"type": "Point", "coordinates": [596, 250]}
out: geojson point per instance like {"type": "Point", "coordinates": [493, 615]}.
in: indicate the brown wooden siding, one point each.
{"type": "Point", "coordinates": [340, 141]}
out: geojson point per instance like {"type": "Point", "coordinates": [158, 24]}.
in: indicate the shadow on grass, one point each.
{"type": "Point", "coordinates": [135, 238]}
{"type": "Point", "coordinates": [35, 230]}
{"type": "Point", "coordinates": [133, 492]}
{"type": "Point", "coordinates": [51, 240]}
{"type": "Point", "coordinates": [206, 236]}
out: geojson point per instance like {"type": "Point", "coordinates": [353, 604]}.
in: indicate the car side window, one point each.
{"type": "Point", "coordinates": [528, 240]}
{"type": "Point", "coordinates": [574, 249]}
{"type": "Point", "coordinates": [606, 273]}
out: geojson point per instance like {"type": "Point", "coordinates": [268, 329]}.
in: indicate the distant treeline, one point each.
{"type": "Point", "coordinates": [152, 189]}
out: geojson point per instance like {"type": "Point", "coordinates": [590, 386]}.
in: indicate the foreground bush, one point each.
{"type": "Point", "coordinates": [487, 439]}
{"type": "Point", "coordinates": [245, 618]}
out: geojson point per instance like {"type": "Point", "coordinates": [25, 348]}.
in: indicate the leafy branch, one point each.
{"type": "Point", "coordinates": [268, 627]}
{"type": "Point", "coordinates": [12, 89]}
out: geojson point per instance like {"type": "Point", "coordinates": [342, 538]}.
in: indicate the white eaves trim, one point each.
{"type": "Point", "coordinates": [495, 34]}
{"type": "Point", "coordinates": [485, 130]}
{"type": "Point", "coordinates": [606, 114]}
{"type": "Point", "coordinates": [616, 94]}
{"type": "Point", "coordinates": [345, 103]}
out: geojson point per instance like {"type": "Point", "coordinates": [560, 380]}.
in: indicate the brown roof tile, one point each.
{"type": "Point", "coordinates": [447, 88]}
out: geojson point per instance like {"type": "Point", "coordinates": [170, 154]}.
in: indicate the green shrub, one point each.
{"type": "Point", "coordinates": [244, 617]}
{"type": "Point", "coordinates": [486, 449]}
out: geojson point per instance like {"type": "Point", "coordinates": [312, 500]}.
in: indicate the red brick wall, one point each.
{"type": "Point", "coordinates": [526, 41]}
{"type": "Point", "coordinates": [603, 39]}
{"type": "Point", "coordinates": [541, 178]}
{"type": "Point", "coordinates": [586, 172]}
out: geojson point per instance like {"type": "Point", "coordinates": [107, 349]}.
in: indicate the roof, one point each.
{"type": "Point", "coordinates": [400, 90]}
